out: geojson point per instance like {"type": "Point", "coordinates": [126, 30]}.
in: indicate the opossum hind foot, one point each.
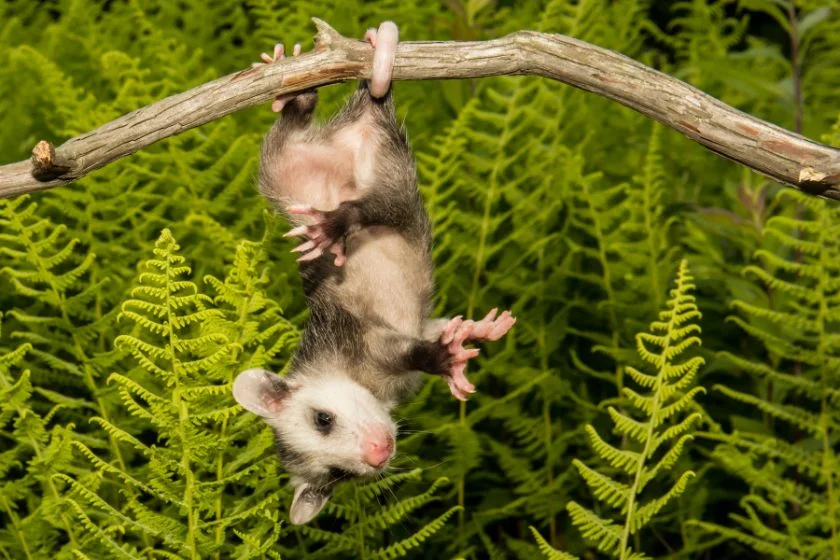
{"type": "Point", "coordinates": [282, 100]}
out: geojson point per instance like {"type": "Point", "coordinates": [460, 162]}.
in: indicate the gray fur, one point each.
{"type": "Point", "coordinates": [347, 322]}
{"type": "Point", "coordinates": [350, 186]}
{"type": "Point", "coordinates": [368, 321]}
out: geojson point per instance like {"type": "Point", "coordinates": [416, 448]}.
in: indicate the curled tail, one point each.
{"type": "Point", "coordinates": [384, 42]}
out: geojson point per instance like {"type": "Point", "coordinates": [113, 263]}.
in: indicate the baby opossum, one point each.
{"type": "Point", "coordinates": [350, 188]}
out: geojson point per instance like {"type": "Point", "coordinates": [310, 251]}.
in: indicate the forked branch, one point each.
{"type": "Point", "coordinates": [768, 149]}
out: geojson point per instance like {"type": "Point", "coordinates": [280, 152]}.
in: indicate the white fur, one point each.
{"type": "Point", "coordinates": [356, 412]}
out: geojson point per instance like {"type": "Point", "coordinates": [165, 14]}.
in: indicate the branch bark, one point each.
{"type": "Point", "coordinates": [768, 149]}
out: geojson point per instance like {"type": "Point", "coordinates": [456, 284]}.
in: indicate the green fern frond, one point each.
{"type": "Point", "coordinates": [549, 552]}
{"type": "Point", "coordinates": [614, 494]}
{"type": "Point", "coordinates": [604, 533]}
{"type": "Point", "coordinates": [376, 488]}
{"type": "Point", "coordinates": [618, 458]}
{"type": "Point", "coordinates": [793, 414]}
{"type": "Point", "coordinates": [798, 388]}
{"type": "Point", "coordinates": [395, 513]}
{"type": "Point", "coordinates": [402, 547]}
{"type": "Point", "coordinates": [102, 537]}
{"type": "Point", "coordinates": [666, 399]}
{"type": "Point", "coordinates": [755, 543]}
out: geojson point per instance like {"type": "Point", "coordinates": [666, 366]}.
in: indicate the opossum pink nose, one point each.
{"type": "Point", "coordinates": [377, 449]}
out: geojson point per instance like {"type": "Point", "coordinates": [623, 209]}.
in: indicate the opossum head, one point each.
{"type": "Point", "coordinates": [328, 428]}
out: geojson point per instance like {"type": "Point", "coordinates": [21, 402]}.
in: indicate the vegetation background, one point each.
{"type": "Point", "coordinates": [132, 298]}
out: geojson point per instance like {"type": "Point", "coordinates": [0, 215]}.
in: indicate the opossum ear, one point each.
{"type": "Point", "coordinates": [261, 392]}
{"type": "Point", "coordinates": [307, 503]}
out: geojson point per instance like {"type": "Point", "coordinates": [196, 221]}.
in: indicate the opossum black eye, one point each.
{"type": "Point", "coordinates": [323, 421]}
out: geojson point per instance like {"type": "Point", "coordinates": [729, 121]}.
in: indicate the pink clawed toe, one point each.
{"type": "Point", "coordinates": [458, 331]}
{"type": "Point", "coordinates": [317, 239]}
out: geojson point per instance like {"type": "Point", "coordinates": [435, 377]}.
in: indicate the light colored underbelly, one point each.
{"type": "Point", "coordinates": [387, 277]}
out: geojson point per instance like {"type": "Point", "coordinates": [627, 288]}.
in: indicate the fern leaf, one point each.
{"type": "Point", "coordinates": [402, 547]}
{"type": "Point", "coordinates": [665, 399]}
{"type": "Point", "coordinates": [605, 534]}
{"type": "Point", "coordinates": [614, 494]}
{"type": "Point", "coordinates": [550, 553]}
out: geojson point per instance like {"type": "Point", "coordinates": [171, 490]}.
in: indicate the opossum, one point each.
{"type": "Point", "coordinates": [350, 187]}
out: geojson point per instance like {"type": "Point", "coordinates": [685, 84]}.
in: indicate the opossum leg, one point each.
{"type": "Point", "coordinates": [440, 350]}
{"type": "Point", "coordinates": [296, 108]}
{"type": "Point", "coordinates": [287, 162]}
{"type": "Point", "coordinates": [447, 360]}
{"type": "Point", "coordinates": [399, 354]}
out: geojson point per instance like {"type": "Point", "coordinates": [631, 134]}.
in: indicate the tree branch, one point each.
{"type": "Point", "coordinates": [768, 149]}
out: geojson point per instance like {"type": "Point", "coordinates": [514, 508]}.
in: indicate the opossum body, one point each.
{"type": "Point", "coordinates": [350, 188]}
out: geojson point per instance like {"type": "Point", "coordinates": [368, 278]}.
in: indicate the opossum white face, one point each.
{"type": "Point", "coordinates": [328, 429]}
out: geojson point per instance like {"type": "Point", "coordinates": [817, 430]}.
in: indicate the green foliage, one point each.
{"type": "Point", "coordinates": [118, 347]}
{"type": "Point", "coordinates": [652, 444]}
{"type": "Point", "coordinates": [27, 467]}
{"type": "Point", "coordinates": [791, 507]}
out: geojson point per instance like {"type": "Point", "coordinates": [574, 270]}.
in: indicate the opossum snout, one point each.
{"type": "Point", "coordinates": [377, 448]}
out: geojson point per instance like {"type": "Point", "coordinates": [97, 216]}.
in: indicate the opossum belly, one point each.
{"type": "Point", "coordinates": [388, 278]}
{"type": "Point", "coordinates": [361, 142]}
{"type": "Point", "coordinates": [317, 174]}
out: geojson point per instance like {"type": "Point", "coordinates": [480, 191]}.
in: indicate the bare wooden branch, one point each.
{"type": "Point", "coordinates": [781, 155]}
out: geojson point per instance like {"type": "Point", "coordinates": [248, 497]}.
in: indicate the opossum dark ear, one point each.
{"type": "Point", "coordinates": [307, 503]}
{"type": "Point", "coordinates": [261, 392]}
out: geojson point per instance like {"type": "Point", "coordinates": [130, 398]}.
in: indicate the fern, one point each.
{"type": "Point", "coordinates": [548, 551]}
{"type": "Point", "coordinates": [175, 365]}
{"type": "Point", "coordinates": [559, 204]}
{"type": "Point", "coordinates": [800, 267]}
{"type": "Point", "coordinates": [33, 452]}
{"type": "Point", "coordinates": [669, 395]}
{"type": "Point", "coordinates": [360, 519]}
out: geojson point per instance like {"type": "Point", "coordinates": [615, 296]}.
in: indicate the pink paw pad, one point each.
{"type": "Point", "coordinates": [456, 332]}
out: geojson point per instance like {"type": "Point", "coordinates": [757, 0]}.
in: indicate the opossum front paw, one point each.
{"type": "Point", "coordinates": [327, 233]}
{"type": "Point", "coordinates": [492, 327]}
{"type": "Point", "coordinates": [279, 54]}
{"type": "Point", "coordinates": [457, 331]}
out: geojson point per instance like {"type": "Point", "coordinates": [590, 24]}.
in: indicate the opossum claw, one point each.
{"type": "Point", "coordinates": [304, 247]}
{"type": "Point", "coordinates": [279, 54]}
{"type": "Point", "coordinates": [492, 327]}
{"type": "Point", "coordinates": [296, 232]}
{"type": "Point", "coordinates": [458, 331]}
{"type": "Point", "coordinates": [322, 235]}
{"type": "Point", "coordinates": [312, 255]}
{"type": "Point", "coordinates": [459, 386]}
